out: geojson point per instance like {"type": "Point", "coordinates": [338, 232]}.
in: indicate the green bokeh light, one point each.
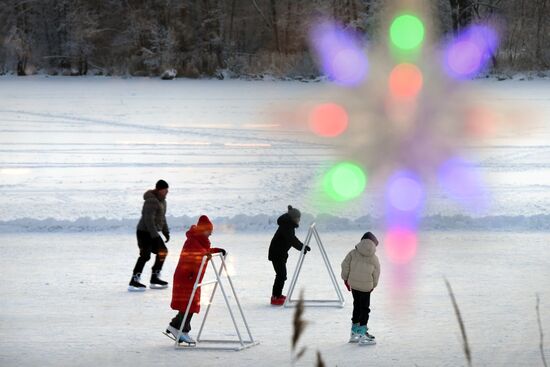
{"type": "Point", "coordinates": [345, 181]}
{"type": "Point", "coordinates": [407, 32]}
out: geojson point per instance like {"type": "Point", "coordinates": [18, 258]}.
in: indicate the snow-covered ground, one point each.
{"type": "Point", "coordinates": [64, 303]}
{"type": "Point", "coordinates": [77, 154]}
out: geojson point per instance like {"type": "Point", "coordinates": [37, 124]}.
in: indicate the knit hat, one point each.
{"type": "Point", "coordinates": [161, 185]}
{"type": "Point", "coordinates": [370, 236]}
{"type": "Point", "coordinates": [204, 224]}
{"type": "Point", "coordinates": [294, 213]}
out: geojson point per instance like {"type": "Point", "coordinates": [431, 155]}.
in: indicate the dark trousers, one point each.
{"type": "Point", "coordinates": [280, 278]}
{"type": "Point", "coordinates": [148, 245]}
{"type": "Point", "coordinates": [176, 322]}
{"type": "Point", "coordinates": [361, 307]}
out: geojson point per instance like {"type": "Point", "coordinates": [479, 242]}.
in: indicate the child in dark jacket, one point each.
{"type": "Point", "coordinates": [360, 272]}
{"type": "Point", "coordinates": [283, 240]}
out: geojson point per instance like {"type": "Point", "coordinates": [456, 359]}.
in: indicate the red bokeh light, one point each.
{"type": "Point", "coordinates": [405, 81]}
{"type": "Point", "coordinates": [328, 120]}
{"type": "Point", "coordinates": [400, 245]}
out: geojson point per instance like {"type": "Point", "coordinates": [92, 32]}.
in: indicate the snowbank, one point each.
{"type": "Point", "coordinates": [259, 223]}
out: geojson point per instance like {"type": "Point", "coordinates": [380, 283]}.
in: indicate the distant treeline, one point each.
{"type": "Point", "coordinates": [236, 37]}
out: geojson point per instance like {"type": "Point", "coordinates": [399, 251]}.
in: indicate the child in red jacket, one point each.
{"type": "Point", "coordinates": [196, 246]}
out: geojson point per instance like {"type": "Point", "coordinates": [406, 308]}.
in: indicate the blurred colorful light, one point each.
{"type": "Point", "coordinates": [462, 183]}
{"type": "Point", "coordinates": [405, 191]}
{"type": "Point", "coordinates": [481, 121]}
{"type": "Point", "coordinates": [328, 120]}
{"type": "Point", "coordinates": [340, 53]}
{"type": "Point", "coordinates": [345, 181]}
{"type": "Point", "coordinates": [407, 32]}
{"type": "Point", "coordinates": [405, 81]}
{"type": "Point", "coordinates": [400, 245]}
{"type": "Point", "coordinates": [470, 52]}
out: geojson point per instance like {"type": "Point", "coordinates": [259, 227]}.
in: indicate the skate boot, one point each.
{"type": "Point", "coordinates": [277, 301]}
{"type": "Point", "coordinates": [364, 339]}
{"type": "Point", "coordinates": [156, 282]}
{"type": "Point", "coordinates": [354, 335]}
{"type": "Point", "coordinates": [135, 285]}
{"type": "Point", "coordinates": [172, 332]}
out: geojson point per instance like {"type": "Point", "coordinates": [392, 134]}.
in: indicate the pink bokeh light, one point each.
{"type": "Point", "coordinates": [400, 245]}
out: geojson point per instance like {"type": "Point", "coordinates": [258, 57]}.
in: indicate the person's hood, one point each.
{"type": "Point", "coordinates": [366, 247]}
{"type": "Point", "coordinates": [194, 233]}
{"type": "Point", "coordinates": [286, 220]}
{"type": "Point", "coordinates": [151, 194]}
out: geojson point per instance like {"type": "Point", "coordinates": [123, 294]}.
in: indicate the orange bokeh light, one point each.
{"type": "Point", "coordinates": [481, 121]}
{"type": "Point", "coordinates": [328, 120]}
{"type": "Point", "coordinates": [405, 81]}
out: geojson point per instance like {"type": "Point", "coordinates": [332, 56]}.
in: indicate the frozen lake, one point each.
{"type": "Point", "coordinates": [89, 147]}
{"type": "Point", "coordinates": [77, 154]}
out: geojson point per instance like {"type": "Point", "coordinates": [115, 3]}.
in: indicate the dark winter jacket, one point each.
{"type": "Point", "coordinates": [284, 239]}
{"type": "Point", "coordinates": [153, 215]}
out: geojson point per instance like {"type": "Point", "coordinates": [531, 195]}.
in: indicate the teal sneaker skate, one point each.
{"type": "Point", "coordinates": [354, 335]}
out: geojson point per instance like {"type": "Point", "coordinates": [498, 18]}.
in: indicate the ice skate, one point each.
{"type": "Point", "coordinates": [277, 301]}
{"type": "Point", "coordinates": [156, 282]}
{"type": "Point", "coordinates": [354, 335]}
{"type": "Point", "coordinates": [363, 338]}
{"type": "Point", "coordinates": [172, 333]}
{"type": "Point", "coordinates": [135, 285]}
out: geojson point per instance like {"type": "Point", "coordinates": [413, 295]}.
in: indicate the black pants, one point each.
{"type": "Point", "coordinates": [176, 322]}
{"type": "Point", "coordinates": [280, 278]}
{"type": "Point", "coordinates": [361, 307]}
{"type": "Point", "coordinates": [148, 245]}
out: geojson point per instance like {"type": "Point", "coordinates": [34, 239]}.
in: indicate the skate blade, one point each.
{"type": "Point", "coordinates": [135, 289]}
{"type": "Point", "coordinates": [370, 342]}
{"type": "Point", "coordinates": [182, 343]}
{"type": "Point", "coordinates": [157, 286]}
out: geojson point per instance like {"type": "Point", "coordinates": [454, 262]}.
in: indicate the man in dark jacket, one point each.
{"type": "Point", "coordinates": [282, 241]}
{"type": "Point", "coordinates": [153, 220]}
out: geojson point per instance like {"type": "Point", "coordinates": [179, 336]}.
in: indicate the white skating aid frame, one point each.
{"type": "Point", "coordinates": [213, 344]}
{"type": "Point", "coordinates": [339, 301]}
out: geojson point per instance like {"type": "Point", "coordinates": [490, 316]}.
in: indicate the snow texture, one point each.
{"type": "Point", "coordinates": [64, 303]}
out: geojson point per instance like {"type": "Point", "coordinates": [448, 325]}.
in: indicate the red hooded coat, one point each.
{"type": "Point", "coordinates": [196, 246]}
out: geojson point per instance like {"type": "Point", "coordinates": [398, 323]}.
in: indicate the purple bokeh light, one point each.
{"type": "Point", "coordinates": [470, 52]}
{"type": "Point", "coordinates": [340, 53]}
{"type": "Point", "coordinates": [405, 197]}
{"type": "Point", "coordinates": [405, 191]}
{"type": "Point", "coordinates": [461, 181]}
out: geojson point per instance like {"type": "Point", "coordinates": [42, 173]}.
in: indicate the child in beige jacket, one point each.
{"type": "Point", "coordinates": [360, 272]}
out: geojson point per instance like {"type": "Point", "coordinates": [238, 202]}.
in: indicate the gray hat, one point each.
{"type": "Point", "coordinates": [294, 213]}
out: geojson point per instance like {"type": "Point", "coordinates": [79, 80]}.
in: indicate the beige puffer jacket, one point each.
{"type": "Point", "coordinates": [361, 268]}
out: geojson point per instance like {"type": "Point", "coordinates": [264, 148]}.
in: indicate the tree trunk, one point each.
{"type": "Point", "coordinates": [541, 18]}
{"type": "Point", "coordinates": [287, 26]}
{"type": "Point", "coordinates": [462, 12]}
{"type": "Point", "coordinates": [231, 19]}
{"type": "Point", "coordinates": [274, 24]}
